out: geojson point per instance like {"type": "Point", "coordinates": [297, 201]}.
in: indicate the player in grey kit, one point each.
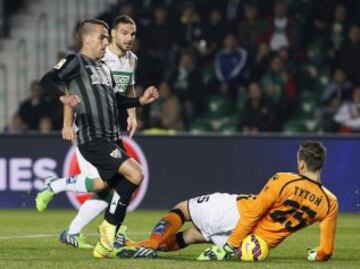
{"type": "Point", "coordinates": [91, 93]}
{"type": "Point", "coordinates": [122, 62]}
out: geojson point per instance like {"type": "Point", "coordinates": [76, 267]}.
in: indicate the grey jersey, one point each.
{"type": "Point", "coordinates": [96, 115]}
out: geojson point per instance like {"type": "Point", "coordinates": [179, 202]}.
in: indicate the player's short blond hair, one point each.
{"type": "Point", "coordinates": [86, 27]}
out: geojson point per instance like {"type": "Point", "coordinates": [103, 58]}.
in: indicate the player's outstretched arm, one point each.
{"type": "Point", "coordinates": [149, 96]}
{"type": "Point", "coordinates": [327, 236]}
{"type": "Point", "coordinates": [250, 218]}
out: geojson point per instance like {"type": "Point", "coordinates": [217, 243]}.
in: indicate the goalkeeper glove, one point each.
{"type": "Point", "coordinates": [311, 254]}
{"type": "Point", "coordinates": [217, 253]}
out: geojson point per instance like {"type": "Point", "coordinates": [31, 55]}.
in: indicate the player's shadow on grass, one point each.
{"type": "Point", "coordinates": [187, 258]}
{"type": "Point", "coordinates": [277, 260]}
{"type": "Point", "coordinates": [176, 258]}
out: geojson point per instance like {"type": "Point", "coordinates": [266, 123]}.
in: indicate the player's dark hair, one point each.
{"type": "Point", "coordinates": [313, 153]}
{"type": "Point", "coordinates": [125, 19]}
{"type": "Point", "coordinates": [86, 27]}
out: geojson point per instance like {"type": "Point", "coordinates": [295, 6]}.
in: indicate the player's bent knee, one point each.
{"type": "Point", "coordinates": [135, 176]}
{"type": "Point", "coordinates": [132, 171]}
{"type": "Point", "coordinates": [193, 236]}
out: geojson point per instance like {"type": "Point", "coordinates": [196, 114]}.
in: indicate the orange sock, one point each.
{"type": "Point", "coordinates": [174, 242]}
{"type": "Point", "coordinates": [170, 244]}
{"type": "Point", "coordinates": [165, 228]}
{"type": "Point", "coordinates": [134, 243]}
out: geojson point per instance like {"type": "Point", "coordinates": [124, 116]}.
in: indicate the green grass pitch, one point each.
{"type": "Point", "coordinates": [30, 240]}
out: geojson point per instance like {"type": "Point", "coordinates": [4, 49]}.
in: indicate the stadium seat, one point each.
{"type": "Point", "coordinates": [200, 125]}
{"type": "Point", "coordinates": [294, 126]}
{"type": "Point", "coordinates": [242, 97]}
{"type": "Point", "coordinates": [219, 106]}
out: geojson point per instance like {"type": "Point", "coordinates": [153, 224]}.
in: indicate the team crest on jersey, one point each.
{"type": "Point", "coordinates": [100, 75]}
{"type": "Point", "coordinates": [116, 153]}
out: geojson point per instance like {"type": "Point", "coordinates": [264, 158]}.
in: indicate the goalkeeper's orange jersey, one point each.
{"type": "Point", "coordinates": [288, 203]}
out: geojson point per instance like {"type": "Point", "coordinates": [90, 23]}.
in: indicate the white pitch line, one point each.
{"type": "Point", "coordinates": [27, 236]}
{"type": "Point", "coordinates": [31, 236]}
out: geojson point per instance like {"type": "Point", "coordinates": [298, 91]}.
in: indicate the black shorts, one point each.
{"type": "Point", "coordinates": [105, 155]}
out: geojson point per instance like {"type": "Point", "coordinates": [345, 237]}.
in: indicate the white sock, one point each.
{"type": "Point", "coordinates": [87, 213]}
{"type": "Point", "coordinates": [76, 184]}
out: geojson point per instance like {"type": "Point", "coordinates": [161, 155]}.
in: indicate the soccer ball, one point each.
{"type": "Point", "coordinates": [253, 249]}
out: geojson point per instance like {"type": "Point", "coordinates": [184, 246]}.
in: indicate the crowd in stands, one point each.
{"type": "Point", "coordinates": [37, 113]}
{"type": "Point", "coordinates": [239, 66]}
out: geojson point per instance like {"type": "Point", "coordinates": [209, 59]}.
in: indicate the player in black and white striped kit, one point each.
{"type": "Point", "coordinates": [90, 86]}
{"type": "Point", "coordinates": [122, 62]}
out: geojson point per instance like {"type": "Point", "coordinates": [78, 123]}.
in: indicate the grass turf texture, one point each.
{"type": "Point", "coordinates": [30, 240]}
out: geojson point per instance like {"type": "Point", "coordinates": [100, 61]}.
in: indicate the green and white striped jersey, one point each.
{"type": "Point", "coordinates": [123, 69]}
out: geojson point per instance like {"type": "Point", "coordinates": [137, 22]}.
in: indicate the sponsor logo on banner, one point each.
{"type": "Point", "coordinates": [71, 168]}
{"type": "Point", "coordinates": [23, 174]}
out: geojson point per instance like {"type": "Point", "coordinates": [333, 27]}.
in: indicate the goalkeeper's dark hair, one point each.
{"type": "Point", "coordinates": [313, 153]}
{"type": "Point", "coordinates": [125, 19]}
{"type": "Point", "coordinates": [86, 27]}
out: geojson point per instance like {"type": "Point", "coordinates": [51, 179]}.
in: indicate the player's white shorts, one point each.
{"type": "Point", "coordinates": [86, 167]}
{"type": "Point", "coordinates": [215, 215]}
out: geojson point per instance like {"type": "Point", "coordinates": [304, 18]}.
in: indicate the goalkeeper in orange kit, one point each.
{"type": "Point", "coordinates": [287, 203]}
